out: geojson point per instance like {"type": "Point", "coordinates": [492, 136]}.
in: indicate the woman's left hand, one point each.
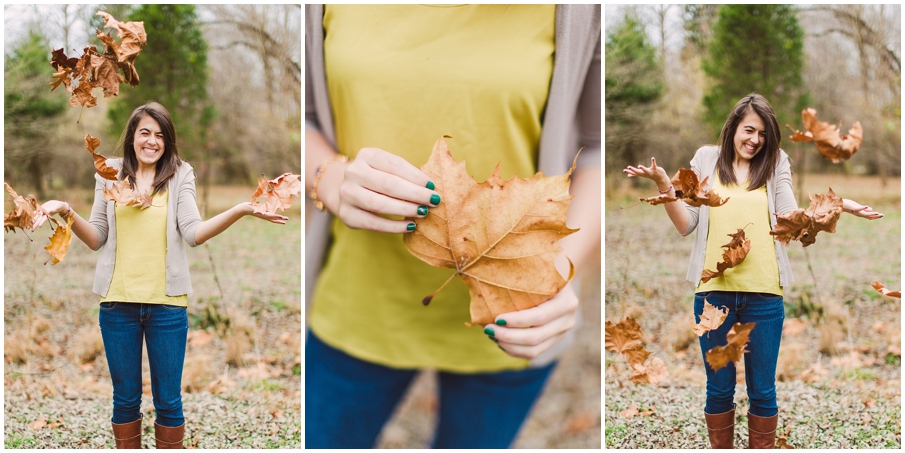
{"type": "Point", "coordinates": [528, 333]}
{"type": "Point", "coordinates": [860, 210]}
{"type": "Point", "coordinates": [248, 209]}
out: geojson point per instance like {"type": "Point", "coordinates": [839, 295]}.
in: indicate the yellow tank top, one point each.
{"type": "Point", "coordinates": [399, 77]}
{"type": "Point", "coordinates": [759, 272]}
{"type": "Point", "coordinates": [140, 274]}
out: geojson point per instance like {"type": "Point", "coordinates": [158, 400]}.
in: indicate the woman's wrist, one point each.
{"type": "Point", "coordinates": [328, 188]}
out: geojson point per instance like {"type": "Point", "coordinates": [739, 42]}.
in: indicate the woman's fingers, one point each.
{"type": "Point", "coordinates": [364, 220]}
{"type": "Point", "coordinates": [385, 184]}
{"type": "Point", "coordinates": [527, 333]}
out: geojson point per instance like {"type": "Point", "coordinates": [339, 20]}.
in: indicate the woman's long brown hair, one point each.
{"type": "Point", "coordinates": [166, 166]}
{"type": "Point", "coordinates": [763, 163]}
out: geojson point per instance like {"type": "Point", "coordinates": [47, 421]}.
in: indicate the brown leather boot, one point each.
{"type": "Point", "coordinates": [128, 435]}
{"type": "Point", "coordinates": [721, 429]}
{"type": "Point", "coordinates": [762, 431]}
{"type": "Point", "coordinates": [169, 437]}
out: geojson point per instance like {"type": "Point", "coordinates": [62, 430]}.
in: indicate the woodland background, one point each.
{"type": "Point", "coordinates": [673, 72]}
{"type": "Point", "coordinates": [230, 75]}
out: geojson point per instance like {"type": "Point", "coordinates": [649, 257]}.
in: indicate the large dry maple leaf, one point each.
{"type": "Point", "coordinates": [100, 162]}
{"type": "Point", "coordinates": [736, 251]}
{"type": "Point", "coordinates": [93, 69]}
{"type": "Point", "coordinates": [830, 141]}
{"type": "Point", "coordinates": [804, 224]}
{"type": "Point", "coordinates": [278, 193]}
{"type": "Point", "coordinates": [500, 236]}
{"type": "Point", "coordinates": [122, 193]}
{"type": "Point", "coordinates": [737, 338]}
{"type": "Point", "coordinates": [689, 190]}
{"type": "Point", "coordinates": [59, 242]}
{"type": "Point", "coordinates": [711, 318]}
{"type": "Point", "coordinates": [23, 215]}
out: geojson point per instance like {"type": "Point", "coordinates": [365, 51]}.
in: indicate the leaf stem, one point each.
{"type": "Point", "coordinates": [427, 300]}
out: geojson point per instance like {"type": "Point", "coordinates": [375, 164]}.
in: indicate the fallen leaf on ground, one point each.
{"type": "Point", "coordinates": [884, 291]}
{"type": "Point", "coordinates": [38, 424]}
{"type": "Point", "coordinates": [199, 338]}
{"type": "Point", "coordinates": [850, 361]}
{"type": "Point", "coordinates": [278, 193]}
{"type": "Point", "coordinates": [629, 413]}
{"type": "Point", "coordinates": [711, 318]}
{"type": "Point", "coordinates": [93, 69]}
{"type": "Point", "coordinates": [501, 237]}
{"type": "Point", "coordinates": [830, 141]}
{"type": "Point", "coordinates": [654, 372]}
{"type": "Point", "coordinates": [720, 356]}
{"type": "Point", "coordinates": [690, 190]}
{"type": "Point", "coordinates": [804, 224]}
{"type": "Point", "coordinates": [736, 251]}
{"type": "Point", "coordinates": [23, 215]}
{"type": "Point", "coordinates": [814, 373]}
{"type": "Point", "coordinates": [122, 193]}
{"type": "Point", "coordinates": [782, 440]}
{"type": "Point", "coordinates": [581, 422]}
{"type": "Point", "coordinates": [59, 242]}
{"type": "Point", "coordinates": [100, 162]}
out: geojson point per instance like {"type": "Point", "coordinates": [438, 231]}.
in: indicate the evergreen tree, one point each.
{"type": "Point", "coordinates": [173, 71]}
{"type": "Point", "coordinates": [633, 84]}
{"type": "Point", "coordinates": [755, 48]}
{"type": "Point", "coordinates": [30, 112]}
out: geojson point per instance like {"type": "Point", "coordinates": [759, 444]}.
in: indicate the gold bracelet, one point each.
{"type": "Point", "coordinates": [68, 213]}
{"type": "Point", "coordinates": [318, 174]}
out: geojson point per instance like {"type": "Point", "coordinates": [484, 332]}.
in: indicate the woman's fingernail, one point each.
{"type": "Point", "coordinates": [422, 210]}
{"type": "Point", "coordinates": [410, 227]}
{"type": "Point", "coordinates": [488, 330]}
{"type": "Point", "coordinates": [501, 322]}
{"type": "Point", "coordinates": [430, 185]}
{"type": "Point", "coordinates": [435, 199]}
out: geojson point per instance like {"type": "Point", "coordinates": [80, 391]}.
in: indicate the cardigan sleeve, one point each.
{"type": "Point", "coordinates": [98, 217]}
{"type": "Point", "coordinates": [589, 113]}
{"type": "Point", "coordinates": [188, 218]}
{"type": "Point", "coordinates": [782, 177]}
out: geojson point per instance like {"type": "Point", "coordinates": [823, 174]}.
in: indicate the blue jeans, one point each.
{"type": "Point", "coordinates": [164, 329]}
{"type": "Point", "coordinates": [347, 401]}
{"type": "Point", "coordinates": [763, 349]}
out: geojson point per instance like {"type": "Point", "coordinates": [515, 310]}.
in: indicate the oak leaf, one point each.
{"type": "Point", "coordinates": [278, 193]}
{"type": "Point", "coordinates": [100, 162]}
{"type": "Point", "coordinates": [501, 237]}
{"type": "Point", "coordinates": [736, 251]}
{"type": "Point", "coordinates": [830, 141]}
{"type": "Point", "coordinates": [59, 242]}
{"type": "Point", "coordinates": [122, 193]}
{"type": "Point", "coordinates": [711, 318]}
{"type": "Point", "coordinates": [720, 356]}
{"type": "Point", "coordinates": [23, 215]}
{"type": "Point", "coordinates": [690, 190]}
{"type": "Point", "coordinates": [804, 224]}
{"type": "Point", "coordinates": [884, 291]}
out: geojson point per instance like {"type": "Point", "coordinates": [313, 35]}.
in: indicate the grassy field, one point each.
{"type": "Point", "coordinates": [242, 377]}
{"type": "Point", "coordinates": [839, 367]}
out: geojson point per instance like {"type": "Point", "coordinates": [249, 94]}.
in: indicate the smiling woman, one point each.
{"type": "Point", "coordinates": [142, 274]}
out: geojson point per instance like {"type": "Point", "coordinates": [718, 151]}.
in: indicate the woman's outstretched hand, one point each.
{"type": "Point", "coordinates": [860, 210]}
{"type": "Point", "coordinates": [270, 217]}
{"type": "Point", "coordinates": [51, 207]}
{"type": "Point", "coordinates": [376, 183]}
{"type": "Point", "coordinates": [528, 333]}
{"type": "Point", "coordinates": [655, 173]}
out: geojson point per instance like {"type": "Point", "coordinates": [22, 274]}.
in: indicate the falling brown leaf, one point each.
{"type": "Point", "coordinates": [737, 338]}
{"type": "Point", "coordinates": [652, 373]}
{"type": "Point", "coordinates": [736, 251]}
{"type": "Point", "coordinates": [23, 216]}
{"type": "Point", "coordinates": [278, 193]}
{"type": "Point", "coordinates": [804, 224]}
{"type": "Point", "coordinates": [711, 318]}
{"type": "Point", "coordinates": [830, 141]}
{"type": "Point", "coordinates": [884, 291]}
{"type": "Point", "coordinates": [93, 69]}
{"type": "Point", "coordinates": [690, 190]}
{"type": "Point", "coordinates": [122, 193]}
{"type": "Point", "coordinates": [59, 242]}
{"type": "Point", "coordinates": [501, 237]}
{"type": "Point", "coordinates": [626, 339]}
{"type": "Point", "coordinates": [624, 336]}
{"type": "Point", "coordinates": [100, 162]}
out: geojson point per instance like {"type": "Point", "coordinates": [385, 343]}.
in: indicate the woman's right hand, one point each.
{"type": "Point", "coordinates": [51, 207]}
{"type": "Point", "coordinates": [655, 173]}
{"type": "Point", "coordinates": [376, 182]}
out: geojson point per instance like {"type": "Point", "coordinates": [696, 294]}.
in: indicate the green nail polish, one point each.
{"type": "Point", "coordinates": [494, 339]}
{"type": "Point", "coordinates": [501, 322]}
{"type": "Point", "coordinates": [430, 185]}
{"type": "Point", "coordinates": [410, 227]}
{"type": "Point", "coordinates": [422, 210]}
{"type": "Point", "coordinates": [488, 330]}
{"type": "Point", "coordinates": [435, 199]}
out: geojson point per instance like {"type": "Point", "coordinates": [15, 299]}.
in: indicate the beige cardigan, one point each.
{"type": "Point", "coordinates": [182, 219]}
{"type": "Point", "coordinates": [571, 119]}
